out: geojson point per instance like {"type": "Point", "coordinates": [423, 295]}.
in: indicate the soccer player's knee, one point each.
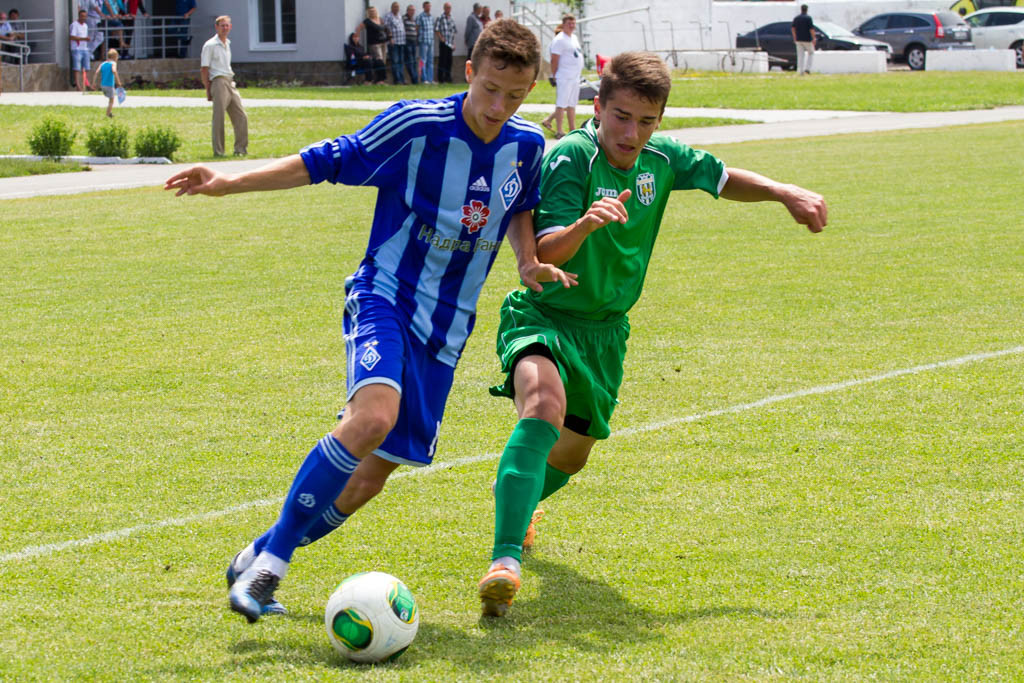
{"type": "Point", "coordinates": [375, 426]}
{"type": "Point", "coordinates": [547, 403]}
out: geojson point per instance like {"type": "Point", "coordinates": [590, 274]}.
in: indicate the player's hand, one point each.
{"type": "Point", "coordinates": [807, 207]}
{"type": "Point", "coordinates": [198, 180]}
{"type": "Point", "coordinates": [535, 273]}
{"type": "Point", "coordinates": [606, 210]}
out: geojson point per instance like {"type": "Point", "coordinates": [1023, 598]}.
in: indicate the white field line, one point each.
{"type": "Point", "coordinates": [50, 548]}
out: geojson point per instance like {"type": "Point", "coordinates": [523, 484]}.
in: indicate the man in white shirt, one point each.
{"type": "Point", "coordinates": [566, 69]}
{"type": "Point", "coordinates": [78, 34]}
{"type": "Point", "coordinates": [218, 77]}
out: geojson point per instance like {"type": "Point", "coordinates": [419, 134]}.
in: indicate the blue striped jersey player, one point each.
{"type": "Point", "coordinates": [453, 176]}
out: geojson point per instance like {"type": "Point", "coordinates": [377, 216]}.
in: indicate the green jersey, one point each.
{"type": "Point", "coordinates": [612, 261]}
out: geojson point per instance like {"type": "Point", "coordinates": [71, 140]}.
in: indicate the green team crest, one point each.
{"type": "Point", "coordinates": [645, 188]}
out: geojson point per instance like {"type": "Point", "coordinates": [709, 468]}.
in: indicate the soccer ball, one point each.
{"type": "Point", "coordinates": [371, 617]}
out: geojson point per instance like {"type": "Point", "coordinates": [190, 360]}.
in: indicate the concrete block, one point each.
{"type": "Point", "coordinates": [848, 62]}
{"type": "Point", "coordinates": [736, 61]}
{"type": "Point", "coordinates": [970, 60]}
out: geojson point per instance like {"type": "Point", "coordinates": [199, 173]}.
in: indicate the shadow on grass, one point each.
{"type": "Point", "coordinates": [571, 611]}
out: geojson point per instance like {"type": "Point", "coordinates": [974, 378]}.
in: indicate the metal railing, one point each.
{"type": "Point", "coordinates": [37, 44]}
{"type": "Point", "coordinates": [153, 37]}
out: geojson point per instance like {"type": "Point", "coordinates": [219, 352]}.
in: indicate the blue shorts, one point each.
{"type": "Point", "coordinates": [79, 60]}
{"type": "Point", "coordinates": [380, 350]}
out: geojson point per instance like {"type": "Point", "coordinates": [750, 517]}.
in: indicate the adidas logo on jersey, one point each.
{"type": "Point", "coordinates": [480, 185]}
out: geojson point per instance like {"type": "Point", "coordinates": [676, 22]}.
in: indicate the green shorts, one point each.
{"type": "Point", "coordinates": [588, 353]}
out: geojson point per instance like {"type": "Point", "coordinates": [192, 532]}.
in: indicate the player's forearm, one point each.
{"type": "Point", "coordinates": [282, 174]}
{"type": "Point", "coordinates": [747, 186]}
{"type": "Point", "coordinates": [204, 74]}
{"type": "Point", "coordinates": [558, 247]}
{"type": "Point", "coordinates": [554, 64]}
{"type": "Point", "coordinates": [806, 206]}
{"type": "Point", "coordinates": [521, 238]}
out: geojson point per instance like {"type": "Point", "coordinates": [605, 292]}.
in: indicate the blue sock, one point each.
{"type": "Point", "coordinates": [319, 481]}
{"type": "Point", "coordinates": [331, 520]}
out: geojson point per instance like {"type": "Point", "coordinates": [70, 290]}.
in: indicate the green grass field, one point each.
{"type": "Point", "coordinates": [13, 168]}
{"type": "Point", "coordinates": [167, 362]}
{"type": "Point", "coordinates": [892, 91]}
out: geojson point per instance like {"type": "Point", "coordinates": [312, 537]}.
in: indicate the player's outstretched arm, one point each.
{"type": "Point", "coordinates": [807, 207]}
{"type": "Point", "coordinates": [559, 247]}
{"type": "Point", "coordinates": [278, 175]}
{"type": "Point", "coordinates": [531, 271]}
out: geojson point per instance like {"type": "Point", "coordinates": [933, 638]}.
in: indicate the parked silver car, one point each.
{"type": "Point", "coordinates": [912, 34]}
{"type": "Point", "coordinates": [1000, 28]}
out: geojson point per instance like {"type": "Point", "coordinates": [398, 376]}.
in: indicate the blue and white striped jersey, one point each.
{"type": "Point", "coordinates": [444, 202]}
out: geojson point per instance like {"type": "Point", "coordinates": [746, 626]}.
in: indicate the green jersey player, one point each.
{"type": "Point", "coordinates": [603, 193]}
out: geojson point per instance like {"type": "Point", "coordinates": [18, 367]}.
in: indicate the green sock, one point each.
{"type": "Point", "coordinates": [519, 483]}
{"type": "Point", "coordinates": [554, 479]}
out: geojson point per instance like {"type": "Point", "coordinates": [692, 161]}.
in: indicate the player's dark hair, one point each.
{"type": "Point", "coordinates": [508, 43]}
{"type": "Point", "coordinates": [641, 72]}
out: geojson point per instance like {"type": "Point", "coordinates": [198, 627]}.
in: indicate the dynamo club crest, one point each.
{"type": "Point", "coordinates": [510, 188]}
{"type": "Point", "coordinates": [645, 188]}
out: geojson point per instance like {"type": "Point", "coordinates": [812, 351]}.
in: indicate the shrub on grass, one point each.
{"type": "Point", "coordinates": [110, 140]}
{"type": "Point", "coordinates": [52, 138]}
{"type": "Point", "coordinates": [157, 141]}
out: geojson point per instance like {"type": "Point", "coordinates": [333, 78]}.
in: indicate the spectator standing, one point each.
{"type": "Point", "coordinates": [566, 69]}
{"type": "Point", "coordinates": [485, 15]}
{"type": "Point", "coordinates": [78, 34]}
{"type": "Point", "coordinates": [473, 28]}
{"type": "Point", "coordinates": [375, 38]}
{"type": "Point", "coordinates": [411, 40]}
{"type": "Point", "coordinates": [218, 77]}
{"type": "Point", "coordinates": [425, 35]}
{"type": "Point", "coordinates": [94, 15]}
{"type": "Point", "coordinates": [109, 79]}
{"type": "Point", "coordinates": [133, 7]}
{"type": "Point", "coordinates": [803, 36]}
{"type": "Point", "coordinates": [395, 25]}
{"type": "Point", "coordinates": [10, 28]}
{"type": "Point", "coordinates": [498, 14]}
{"type": "Point", "coordinates": [178, 29]}
{"type": "Point", "coordinates": [6, 31]}
{"type": "Point", "coordinates": [445, 30]}
{"type": "Point", "coordinates": [117, 11]}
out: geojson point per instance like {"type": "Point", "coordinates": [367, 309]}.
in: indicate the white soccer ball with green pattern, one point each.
{"type": "Point", "coordinates": [371, 617]}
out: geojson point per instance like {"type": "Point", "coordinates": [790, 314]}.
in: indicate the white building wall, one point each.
{"type": "Point", "coordinates": [319, 30]}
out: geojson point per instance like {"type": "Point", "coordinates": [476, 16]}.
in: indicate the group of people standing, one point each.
{"type": "Point", "coordinates": [407, 42]}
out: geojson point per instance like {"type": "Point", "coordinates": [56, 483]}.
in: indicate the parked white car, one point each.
{"type": "Point", "coordinates": [1000, 28]}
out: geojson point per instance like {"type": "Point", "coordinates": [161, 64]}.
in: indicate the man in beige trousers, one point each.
{"type": "Point", "coordinates": [215, 68]}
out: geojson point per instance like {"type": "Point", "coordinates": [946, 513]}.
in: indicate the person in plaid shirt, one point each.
{"type": "Point", "coordinates": [425, 34]}
{"type": "Point", "coordinates": [445, 30]}
{"type": "Point", "coordinates": [409, 56]}
{"type": "Point", "coordinates": [396, 44]}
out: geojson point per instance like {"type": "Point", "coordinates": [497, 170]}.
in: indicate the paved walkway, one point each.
{"type": "Point", "coordinates": [95, 99]}
{"type": "Point", "coordinates": [775, 124]}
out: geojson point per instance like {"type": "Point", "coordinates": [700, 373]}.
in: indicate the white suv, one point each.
{"type": "Point", "coordinates": [999, 27]}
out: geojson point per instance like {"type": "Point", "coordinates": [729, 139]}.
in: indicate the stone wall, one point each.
{"type": "Point", "coordinates": [37, 77]}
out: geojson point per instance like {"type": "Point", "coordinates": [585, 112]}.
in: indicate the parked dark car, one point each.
{"type": "Point", "coordinates": [777, 40]}
{"type": "Point", "coordinates": [912, 34]}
